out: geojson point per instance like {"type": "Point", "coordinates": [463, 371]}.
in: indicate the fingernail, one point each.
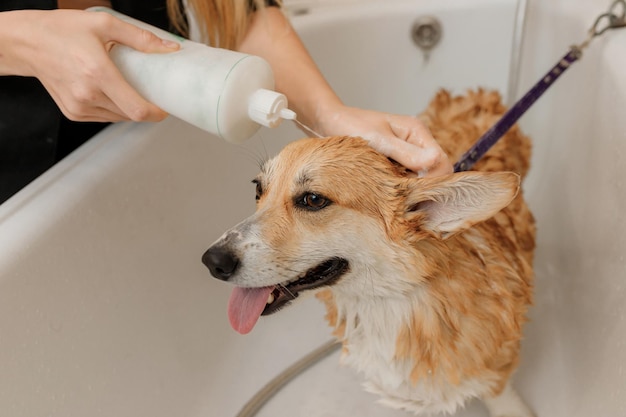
{"type": "Point", "coordinates": [170, 44]}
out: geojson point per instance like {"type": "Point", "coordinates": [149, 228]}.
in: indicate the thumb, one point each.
{"type": "Point", "coordinates": [146, 41]}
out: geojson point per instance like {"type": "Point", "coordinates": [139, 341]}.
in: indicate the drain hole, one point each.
{"type": "Point", "coordinates": [426, 32]}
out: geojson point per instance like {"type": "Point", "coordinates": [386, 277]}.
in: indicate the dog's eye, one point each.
{"type": "Point", "coordinates": [259, 189]}
{"type": "Point", "coordinates": [312, 201]}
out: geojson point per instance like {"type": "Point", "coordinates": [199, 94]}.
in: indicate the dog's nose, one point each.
{"type": "Point", "coordinates": [221, 262]}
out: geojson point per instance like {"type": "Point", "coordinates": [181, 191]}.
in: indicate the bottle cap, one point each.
{"type": "Point", "coordinates": [269, 108]}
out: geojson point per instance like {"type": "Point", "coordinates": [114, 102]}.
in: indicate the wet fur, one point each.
{"type": "Point", "coordinates": [462, 336]}
{"type": "Point", "coordinates": [431, 312]}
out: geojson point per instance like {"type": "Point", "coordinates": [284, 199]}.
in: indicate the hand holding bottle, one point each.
{"type": "Point", "coordinates": [67, 50]}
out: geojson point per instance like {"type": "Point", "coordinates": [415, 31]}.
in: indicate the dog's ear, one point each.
{"type": "Point", "coordinates": [453, 203]}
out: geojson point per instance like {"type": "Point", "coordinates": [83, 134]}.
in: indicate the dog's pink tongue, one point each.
{"type": "Point", "coordinates": [245, 307]}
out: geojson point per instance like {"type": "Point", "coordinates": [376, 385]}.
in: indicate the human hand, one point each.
{"type": "Point", "coordinates": [404, 139]}
{"type": "Point", "coordinates": [67, 50]}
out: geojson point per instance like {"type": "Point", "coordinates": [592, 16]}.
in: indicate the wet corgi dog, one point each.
{"type": "Point", "coordinates": [426, 281]}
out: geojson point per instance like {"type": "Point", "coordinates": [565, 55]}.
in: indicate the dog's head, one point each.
{"type": "Point", "coordinates": [331, 211]}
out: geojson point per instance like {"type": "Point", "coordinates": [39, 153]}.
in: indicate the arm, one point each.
{"type": "Point", "coordinates": [402, 138]}
{"type": "Point", "coordinates": [67, 50]}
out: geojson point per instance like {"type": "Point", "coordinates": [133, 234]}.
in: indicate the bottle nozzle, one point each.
{"type": "Point", "coordinates": [269, 108]}
{"type": "Point", "coordinates": [287, 114]}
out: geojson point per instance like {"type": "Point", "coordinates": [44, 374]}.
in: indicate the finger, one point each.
{"type": "Point", "coordinates": [96, 114]}
{"type": "Point", "coordinates": [412, 156]}
{"type": "Point", "coordinates": [130, 103]}
{"type": "Point", "coordinates": [80, 113]}
{"type": "Point", "coordinates": [415, 158]}
{"type": "Point", "coordinates": [442, 167]}
{"type": "Point", "coordinates": [411, 130]}
{"type": "Point", "coordinates": [429, 159]}
{"type": "Point", "coordinates": [102, 117]}
{"type": "Point", "coordinates": [133, 107]}
{"type": "Point", "coordinates": [116, 30]}
{"type": "Point", "coordinates": [104, 106]}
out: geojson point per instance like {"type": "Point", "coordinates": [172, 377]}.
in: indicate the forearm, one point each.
{"type": "Point", "coordinates": [12, 44]}
{"type": "Point", "coordinates": [272, 37]}
{"type": "Point", "coordinates": [16, 35]}
{"type": "Point", "coordinates": [402, 138]}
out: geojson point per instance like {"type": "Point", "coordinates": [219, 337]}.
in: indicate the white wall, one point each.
{"type": "Point", "coordinates": [576, 341]}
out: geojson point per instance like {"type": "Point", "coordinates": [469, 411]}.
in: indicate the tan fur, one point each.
{"type": "Point", "coordinates": [458, 121]}
{"type": "Point", "coordinates": [440, 279]}
{"type": "Point", "coordinates": [496, 283]}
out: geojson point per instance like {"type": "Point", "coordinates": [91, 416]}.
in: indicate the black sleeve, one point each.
{"type": "Point", "coordinates": [6, 5]}
{"type": "Point", "coordinates": [29, 121]}
{"type": "Point", "coordinates": [153, 12]}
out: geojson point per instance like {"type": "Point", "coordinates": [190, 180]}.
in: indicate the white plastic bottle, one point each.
{"type": "Point", "coordinates": [227, 93]}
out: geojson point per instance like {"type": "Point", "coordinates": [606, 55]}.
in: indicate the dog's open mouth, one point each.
{"type": "Point", "coordinates": [325, 273]}
{"type": "Point", "coordinates": [246, 305]}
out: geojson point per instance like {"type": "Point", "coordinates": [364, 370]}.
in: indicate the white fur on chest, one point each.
{"type": "Point", "coordinates": [372, 326]}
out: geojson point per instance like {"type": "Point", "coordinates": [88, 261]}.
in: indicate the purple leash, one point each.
{"type": "Point", "coordinates": [509, 118]}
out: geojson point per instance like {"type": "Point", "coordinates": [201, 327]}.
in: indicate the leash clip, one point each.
{"type": "Point", "coordinates": [613, 19]}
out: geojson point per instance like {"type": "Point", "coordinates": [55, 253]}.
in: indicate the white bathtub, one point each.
{"type": "Point", "coordinates": [106, 309]}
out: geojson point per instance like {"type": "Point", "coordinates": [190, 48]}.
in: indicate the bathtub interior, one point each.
{"type": "Point", "coordinates": [577, 333]}
{"type": "Point", "coordinates": [373, 80]}
{"type": "Point", "coordinates": [105, 308]}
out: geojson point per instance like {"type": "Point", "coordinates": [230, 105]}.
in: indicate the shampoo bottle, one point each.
{"type": "Point", "coordinates": [227, 93]}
